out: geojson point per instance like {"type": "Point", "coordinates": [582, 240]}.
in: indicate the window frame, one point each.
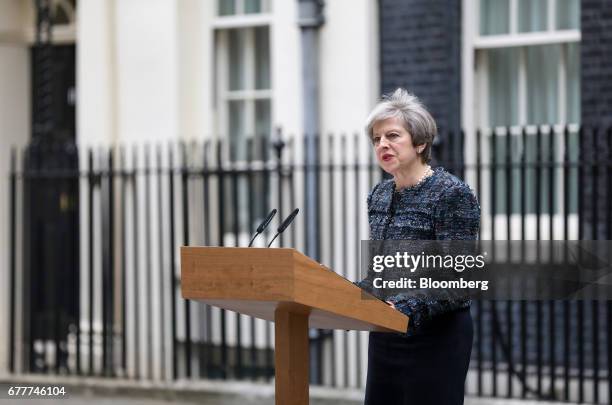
{"type": "Point", "coordinates": [478, 44]}
{"type": "Point", "coordinates": [250, 95]}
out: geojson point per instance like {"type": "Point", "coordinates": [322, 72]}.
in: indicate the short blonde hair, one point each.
{"type": "Point", "coordinates": [416, 119]}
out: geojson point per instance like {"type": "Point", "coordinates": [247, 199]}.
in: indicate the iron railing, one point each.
{"type": "Point", "coordinates": [94, 286]}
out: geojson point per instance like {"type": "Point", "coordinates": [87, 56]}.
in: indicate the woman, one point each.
{"type": "Point", "coordinates": [428, 364]}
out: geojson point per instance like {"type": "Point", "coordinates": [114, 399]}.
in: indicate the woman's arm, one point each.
{"type": "Point", "coordinates": [456, 217]}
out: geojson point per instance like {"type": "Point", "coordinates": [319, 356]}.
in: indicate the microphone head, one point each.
{"type": "Point", "coordinates": [266, 221]}
{"type": "Point", "coordinates": [288, 221]}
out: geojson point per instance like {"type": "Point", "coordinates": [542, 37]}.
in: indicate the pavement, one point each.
{"type": "Point", "coordinates": [100, 391]}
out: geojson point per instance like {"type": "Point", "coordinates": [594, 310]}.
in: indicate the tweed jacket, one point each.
{"type": "Point", "coordinates": [440, 208]}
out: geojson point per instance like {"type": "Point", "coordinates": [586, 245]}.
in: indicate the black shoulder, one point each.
{"type": "Point", "coordinates": [448, 181]}
{"type": "Point", "coordinates": [457, 197]}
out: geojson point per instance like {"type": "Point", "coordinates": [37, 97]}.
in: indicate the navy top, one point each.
{"type": "Point", "coordinates": [442, 207]}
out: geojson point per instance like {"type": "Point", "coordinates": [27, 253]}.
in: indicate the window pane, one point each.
{"type": "Point", "coordinates": [542, 79]}
{"type": "Point", "coordinates": [237, 42]}
{"type": "Point", "coordinates": [568, 14]}
{"type": "Point", "coordinates": [262, 118]}
{"type": "Point", "coordinates": [226, 7]}
{"type": "Point", "coordinates": [252, 6]}
{"type": "Point", "coordinates": [503, 80]}
{"type": "Point", "coordinates": [262, 58]}
{"type": "Point", "coordinates": [494, 17]}
{"type": "Point", "coordinates": [573, 83]}
{"type": "Point", "coordinates": [237, 128]}
{"type": "Point", "coordinates": [532, 15]}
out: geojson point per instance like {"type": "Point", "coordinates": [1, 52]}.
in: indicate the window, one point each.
{"type": "Point", "coordinates": [527, 62]}
{"type": "Point", "coordinates": [525, 74]}
{"type": "Point", "coordinates": [237, 7]}
{"type": "Point", "coordinates": [244, 92]}
{"type": "Point", "coordinates": [243, 76]}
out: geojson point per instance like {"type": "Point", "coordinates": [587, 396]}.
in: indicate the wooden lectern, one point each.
{"type": "Point", "coordinates": [294, 291]}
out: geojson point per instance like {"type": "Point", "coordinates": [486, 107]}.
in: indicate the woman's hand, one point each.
{"type": "Point", "coordinates": [392, 305]}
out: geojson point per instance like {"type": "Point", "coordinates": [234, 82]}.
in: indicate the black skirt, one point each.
{"type": "Point", "coordinates": [427, 368]}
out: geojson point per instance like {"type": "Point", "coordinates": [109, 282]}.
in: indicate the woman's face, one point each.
{"type": "Point", "coordinates": [393, 146]}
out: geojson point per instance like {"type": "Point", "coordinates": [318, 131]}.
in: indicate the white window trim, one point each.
{"type": "Point", "coordinates": [242, 21]}
{"type": "Point", "coordinates": [247, 94]}
{"type": "Point", "coordinates": [526, 39]}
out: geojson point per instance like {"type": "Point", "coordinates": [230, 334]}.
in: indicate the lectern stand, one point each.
{"type": "Point", "coordinates": [294, 291]}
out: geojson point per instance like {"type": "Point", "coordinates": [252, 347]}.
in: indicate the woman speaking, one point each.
{"type": "Point", "coordinates": [428, 364]}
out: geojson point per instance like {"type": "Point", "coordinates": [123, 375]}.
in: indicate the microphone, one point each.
{"type": "Point", "coordinates": [263, 225]}
{"type": "Point", "coordinates": [285, 224]}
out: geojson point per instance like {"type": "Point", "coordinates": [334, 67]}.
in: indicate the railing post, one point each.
{"type": "Point", "coordinates": [13, 248]}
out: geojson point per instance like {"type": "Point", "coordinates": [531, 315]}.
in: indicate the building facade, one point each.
{"type": "Point", "coordinates": [160, 71]}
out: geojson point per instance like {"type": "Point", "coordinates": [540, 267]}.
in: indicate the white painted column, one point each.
{"type": "Point", "coordinates": [14, 131]}
{"type": "Point", "coordinates": [96, 73]}
{"type": "Point", "coordinates": [285, 69]}
{"type": "Point", "coordinates": [147, 70]}
{"type": "Point", "coordinates": [147, 41]}
{"type": "Point", "coordinates": [195, 69]}
{"type": "Point", "coordinates": [349, 73]}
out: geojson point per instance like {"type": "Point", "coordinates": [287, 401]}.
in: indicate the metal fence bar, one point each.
{"type": "Point", "coordinates": [13, 258]}
{"type": "Point", "coordinates": [551, 215]}
{"type": "Point", "coordinates": [221, 242]}
{"type": "Point", "coordinates": [523, 304]}
{"type": "Point", "coordinates": [268, 354]}
{"type": "Point", "coordinates": [493, 304]}
{"type": "Point", "coordinates": [609, 237]}
{"type": "Point", "coordinates": [343, 176]}
{"type": "Point", "coordinates": [566, 304]}
{"type": "Point", "coordinates": [332, 240]}
{"type": "Point", "coordinates": [172, 271]}
{"type": "Point", "coordinates": [160, 248]}
{"type": "Point", "coordinates": [90, 239]}
{"type": "Point", "coordinates": [609, 188]}
{"type": "Point", "coordinates": [185, 215]}
{"type": "Point", "coordinates": [357, 196]}
{"type": "Point", "coordinates": [111, 264]}
{"type": "Point", "coordinates": [147, 275]}
{"type": "Point", "coordinates": [27, 362]}
{"type": "Point", "coordinates": [106, 259]}
{"type": "Point", "coordinates": [538, 211]}
{"type": "Point", "coordinates": [123, 214]}
{"type": "Point", "coordinates": [479, 304]}
{"type": "Point", "coordinates": [316, 360]}
{"type": "Point", "coordinates": [207, 353]}
{"type": "Point", "coordinates": [136, 288]}
{"type": "Point", "coordinates": [236, 370]}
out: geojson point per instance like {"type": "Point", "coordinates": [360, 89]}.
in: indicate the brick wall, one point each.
{"type": "Point", "coordinates": [596, 111]}
{"type": "Point", "coordinates": [420, 50]}
{"type": "Point", "coordinates": [596, 62]}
